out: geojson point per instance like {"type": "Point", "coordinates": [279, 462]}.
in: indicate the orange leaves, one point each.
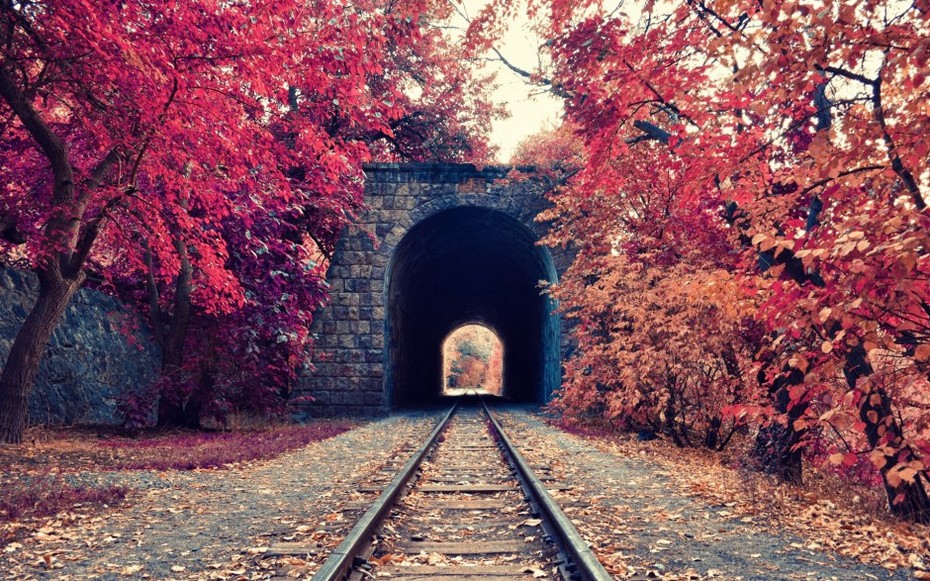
{"type": "Point", "coordinates": [386, 559]}
{"type": "Point", "coordinates": [839, 418]}
{"type": "Point", "coordinates": [799, 362]}
{"type": "Point", "coordinates": [557, 150]}
{"type": "Point", "coordinates": [789, 173]}
{"type": "Point", "coordinates": [764, 241]}
{"type": "Point", "coordinates": [902, 474]}
{"type": "Point", "coordinates": [922, 353]}
{"type": "Point", "coordinates": [658, 340]}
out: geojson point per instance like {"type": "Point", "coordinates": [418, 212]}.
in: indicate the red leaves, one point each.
{"type": "Point", "coordinates": [238, 132]}
{"type": "Point", "coordinates": [718, 138]}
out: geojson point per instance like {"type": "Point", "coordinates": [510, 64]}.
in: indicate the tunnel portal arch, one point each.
{"type": "Point", "coordinates": [440, 245]}
{"type": "Point", "coordinates": [464, 264]}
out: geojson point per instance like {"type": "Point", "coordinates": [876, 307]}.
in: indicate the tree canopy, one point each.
{"type": "Point", "coordinates": [201, 157]}
{"type": "Point", "coordinates": [749, 217]}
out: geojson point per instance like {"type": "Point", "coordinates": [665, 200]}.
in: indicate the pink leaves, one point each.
{"type": "Point", "coordinates": [729, 140]}
{"type": "Point", "coordinates": [239, 131]}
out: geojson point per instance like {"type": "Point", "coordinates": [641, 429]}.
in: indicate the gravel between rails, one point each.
{"type": "Point", "coordinates": [650, 530]}
{"type": "Point", "coordinates": [214, 524]}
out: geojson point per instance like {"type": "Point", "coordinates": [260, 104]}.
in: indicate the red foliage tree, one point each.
{"type": "Point", "coordinates": [254, 353]}
{"type": "Point", "coordinates": [796, 132]}
{"type": "Point", "coordinates": [664, 327]}
{"type": "Point", "coordinates": [186, 141]}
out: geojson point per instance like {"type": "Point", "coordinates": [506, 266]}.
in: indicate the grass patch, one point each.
{"type": "Point", "coordinates": [48, 494]}
{"type": "Point", "coordinates": [191, 450]}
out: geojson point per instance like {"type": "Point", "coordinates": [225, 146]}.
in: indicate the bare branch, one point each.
{"type": "Point", "coordinates": [650, 132]}
{"type": "Point", "coordinates": [556, 88]}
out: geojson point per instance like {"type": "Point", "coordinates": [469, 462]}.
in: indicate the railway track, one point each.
{"type": "Point", "coordinates": [464, 506]}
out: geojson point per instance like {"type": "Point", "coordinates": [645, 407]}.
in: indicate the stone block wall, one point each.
{"type": "Point", "coordinates": [100, 349]}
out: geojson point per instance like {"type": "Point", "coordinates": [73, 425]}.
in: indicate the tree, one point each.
{"type": "Point", "coordinates": [665, 332]}
{"type": "Point", "coordinates": [293, 243]}
{"type": "Point", "coordinates": [176, 143]}
{"type": "Point", "coordinates": [110, 119]}
{"type": "Point", "coordinates": [798, 131]}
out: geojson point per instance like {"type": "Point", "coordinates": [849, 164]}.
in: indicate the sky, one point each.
{"type": "Point", "coordinates": [530, 110]}
{"type": "Point", "coordinates": [529, 114]}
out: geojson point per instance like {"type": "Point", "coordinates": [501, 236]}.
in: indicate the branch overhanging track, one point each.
{"type": "Point", "coordinates": [480, 496]}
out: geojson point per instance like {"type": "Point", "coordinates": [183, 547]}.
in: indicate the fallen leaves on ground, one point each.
{"type": "Point", "coordinates": [825, 517]}
{"type": "Point", "coordinates": [213, 524]}
{"type": "Point", "coordinates": [79, 449]}
{"type": "Point", "coordinates": [815, 512]}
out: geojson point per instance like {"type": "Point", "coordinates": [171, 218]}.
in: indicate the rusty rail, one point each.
{"type": "Point", "coordinates": [584, 563]}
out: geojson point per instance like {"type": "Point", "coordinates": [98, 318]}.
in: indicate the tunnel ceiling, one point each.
{"type": "Point", "coordinates": [466, 265]}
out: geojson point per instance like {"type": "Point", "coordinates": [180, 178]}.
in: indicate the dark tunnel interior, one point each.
{"type": "Point", "coordinates": [469, 265]}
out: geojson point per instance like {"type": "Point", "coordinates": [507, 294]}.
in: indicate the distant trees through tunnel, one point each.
{"type": "Point", "coordinates": [469, 265]}
{"type": "Point", "coordinates": [472, 359]}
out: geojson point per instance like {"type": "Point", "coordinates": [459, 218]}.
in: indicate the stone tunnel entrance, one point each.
{"type": "Point", "coordinates": [469, 265]}
{"type": "Point", "coordinates": [438, 246]}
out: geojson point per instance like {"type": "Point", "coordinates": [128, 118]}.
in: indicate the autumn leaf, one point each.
{"type": "Point", "coordinates": [922, 353]}
{"type": "Point", "coordinates": [384, 559]}
{"type": "Point", "coordinates": [227, 245]}
{"type": "Point", "coordinates": [746, 166]}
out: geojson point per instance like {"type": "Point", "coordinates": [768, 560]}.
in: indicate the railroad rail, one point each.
{"type": "Point", "coordinates": [465, 506]}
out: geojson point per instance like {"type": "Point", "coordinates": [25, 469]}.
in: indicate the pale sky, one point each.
{"type": "Point", "coordinates": [530, 111]}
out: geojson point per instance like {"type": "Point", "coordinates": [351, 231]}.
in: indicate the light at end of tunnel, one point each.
{"type": "Point", "coordinates": [472, 360]}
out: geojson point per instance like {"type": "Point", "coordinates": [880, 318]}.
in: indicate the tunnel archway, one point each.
{"type": "Point", "coordinates": [462, 265]}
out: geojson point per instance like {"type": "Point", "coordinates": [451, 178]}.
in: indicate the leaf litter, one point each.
{"type": "Point", "coordinates": [212, 524]}
{"type": "Point", "coordinates": [653, 511]}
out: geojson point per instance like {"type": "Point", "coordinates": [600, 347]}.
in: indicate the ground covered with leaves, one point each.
{"type": "Point", "coordinates": [106, 449]}
{"type": "Point", "coordinates": [652, 510]}
{"type": "Point", "coordinates": [183, 514]}
{"type": "Point", "coordinates": [50, 473]}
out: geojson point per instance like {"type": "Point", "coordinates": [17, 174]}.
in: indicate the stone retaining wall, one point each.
{"type": "Point", "coordinates": [100, 349]}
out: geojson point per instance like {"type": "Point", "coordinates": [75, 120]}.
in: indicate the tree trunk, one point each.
{"type": "Point", "coordinates": [22, 364]}
{"type": "Point", "coordinates": [776, 451]}
{"type": "Point", "coordinates": [68, 242]}
{"type": "Point", "coordinates": [712, 435]}
{"type": "Point", "coordinates": [173, 350]}
{"type": "Point", "coordinates": [882, 428]}
{"type": "Point", "coordinates": [776, 448]}
{"type": "Point", "coordinates": [173, 413]}
{"type": "Point", "coordinates": [200, 397]}
{"type": "Point", "coordinates": [912, 503]}
{"type": "Point", "coordinates": [671, 415]}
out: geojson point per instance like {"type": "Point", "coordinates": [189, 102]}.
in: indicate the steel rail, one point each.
{"type": "Point", "coordinates": [339, 564]}
{"type": "Point", "coordinates": [570, 540]}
